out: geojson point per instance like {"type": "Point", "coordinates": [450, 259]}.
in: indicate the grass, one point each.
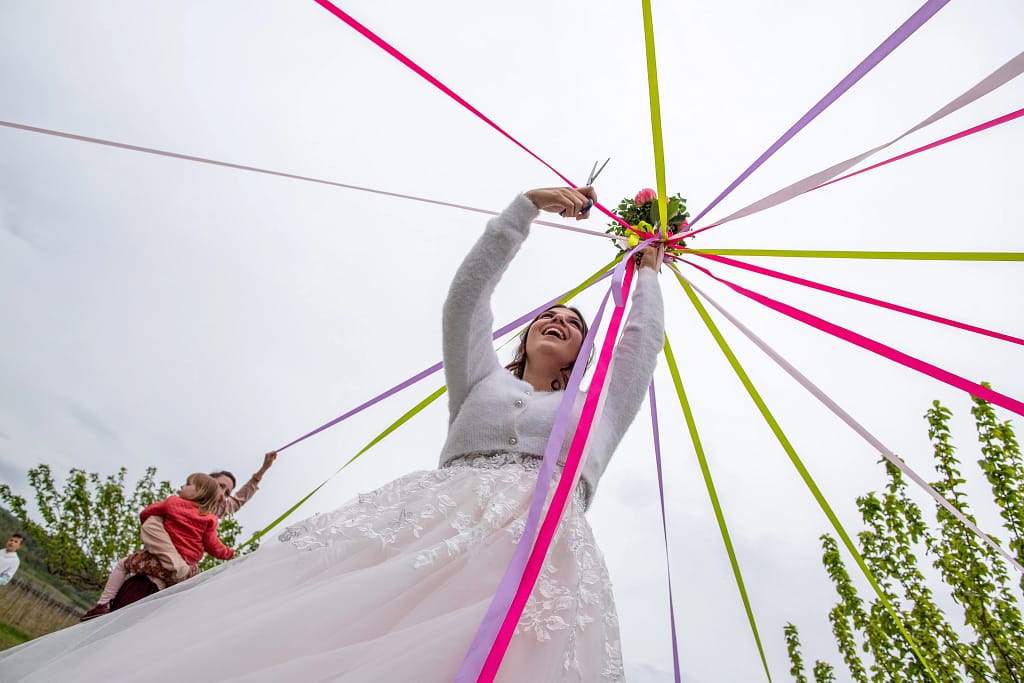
{"type": "Point", "coordinates": [10, 636]}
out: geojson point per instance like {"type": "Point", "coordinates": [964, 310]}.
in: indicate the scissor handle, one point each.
{"type": "Point", "coordinates": [586, 207]}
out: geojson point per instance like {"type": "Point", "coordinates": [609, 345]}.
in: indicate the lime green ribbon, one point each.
{"type": "Point", "coordinates": [589, 281]}
{"type": "Point", "coordinates": [377, 439]}
{"type": "Point", "coordinates": [709, 483]}
{"type": "Point", "coordinates": [891, 255]}
{"type": "Point", "coordinates": [801, 469]}
{"type": "Point", "coordinates": [659, 148]}
{"type": "Point", "coordinates": [407, 416]}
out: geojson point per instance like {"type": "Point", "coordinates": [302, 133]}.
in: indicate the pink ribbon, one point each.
{"type": "Point", "coordinates": [905, 30]}
{"type": "Point", "coordinates": [860, 297]}
{"type": "Point", "coordinates": [764, 204]}
{"type": "Point", "coordinates": [887, 453]}
{"type": "Point", "coordinates": [876, 347]}
{"type": "Point", "coordinates": [619, 272]}
{"type": "Point", "coordinates": [999, 120]}
{"type": "Point", "coordinates": [558, 501]}
{"type": "Point", "coordinates": [424, 74]}
{"type": "Point", "coordinates": [1001, 76]}
{"type": "Point", "coordinates": [486, 633]}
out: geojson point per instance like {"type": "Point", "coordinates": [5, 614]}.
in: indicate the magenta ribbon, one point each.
{"type": "Point", "coordinates": [426, 75]}
{"type": "Point", "coordinates": [423, 73]}
{"type": "Point", "coordinates": [775, 201]}
{"type": "Point", "coordinates": [907, 29]}
{"type": "Point", "coordinates": [619, 272]}
{"type": "Point", "coordinates": [429, 371]}
{"type": "Point", "coordinates": [876, 347]}
{"type": "Point", "coordinates": [998, 78]}
{"type": "Point", "coordinates": [860, 297]}
{"type": "Point", "coordinates": [999, 120]}
{"type": "Point", "coordinates": [664, 528]}
{"type": "Point", "coordinates": [887, 453]}
{"type": "Point", "coordinates": [560, 497]}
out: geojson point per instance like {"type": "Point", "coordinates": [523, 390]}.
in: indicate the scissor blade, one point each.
{"type": "Point", "coordinates": [593, 174]}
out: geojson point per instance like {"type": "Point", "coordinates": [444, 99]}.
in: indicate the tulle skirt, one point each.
{"type": "Point", "coordinates": [388, 588]}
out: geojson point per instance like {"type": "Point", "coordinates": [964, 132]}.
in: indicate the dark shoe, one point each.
{"type": "Point", "coordinates": [97, 610]}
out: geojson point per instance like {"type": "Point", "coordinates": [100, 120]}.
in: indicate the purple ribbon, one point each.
{"type": "Point", "coordinates": [856, 426]}
{"type": "Point", "coordinates": [479, 649]}
{"type": "Point", "coordinates": [664, 529]}
{"type": "Point", "coordinates": [1004, 74]}
{"type": "Point", "coordinates": [619, 273]}
{"type": "Point", "coordinates": [431, 370]}
{"type": "Point", "coordinates": [907, 29]}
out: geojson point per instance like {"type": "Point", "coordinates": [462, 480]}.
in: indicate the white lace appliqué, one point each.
{"type": "Point", "coordinates": [475, 497]}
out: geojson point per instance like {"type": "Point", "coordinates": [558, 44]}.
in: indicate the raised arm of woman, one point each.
{"type": "Point", "coordinates": [467, 320]}
{"type": "Point", "coordinates": [632, 367]}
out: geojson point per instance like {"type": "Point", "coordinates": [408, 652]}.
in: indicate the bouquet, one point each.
{"type": "Point", "coordinates": [641, 212]}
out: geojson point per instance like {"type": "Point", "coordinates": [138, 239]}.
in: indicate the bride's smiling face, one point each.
{"type": "Point", "coordinates": [557, 333]}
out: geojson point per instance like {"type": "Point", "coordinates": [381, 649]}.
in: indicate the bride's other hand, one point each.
{"type": "Point", "coordinates": [563, 200]}
{"type": "Point", "coordinates": [652, 256]}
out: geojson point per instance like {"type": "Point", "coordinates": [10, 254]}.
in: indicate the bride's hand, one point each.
{"type": "Point", "coordinates": [652, 256]}
{"type": "Point", "coordinates": [563, 200]}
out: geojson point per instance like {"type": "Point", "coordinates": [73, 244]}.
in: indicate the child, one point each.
{"type": "Point", "coordinates": [192, 528]}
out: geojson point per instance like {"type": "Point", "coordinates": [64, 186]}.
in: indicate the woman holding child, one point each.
{"type": "Point", "coordinates": [187, 519]}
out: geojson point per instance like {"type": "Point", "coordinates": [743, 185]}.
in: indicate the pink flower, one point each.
{"type": "Point", "coordinates": [645, 195]}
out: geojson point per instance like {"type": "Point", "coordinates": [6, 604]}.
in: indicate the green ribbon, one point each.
{"type": "Point", "coordinates": [804, 474]}
{"type": "Point", "coordinates": [407, 416]}
{"type": "Point", "coordinates": [377, 439]}
{"type": "Point", "coordinates": [659, 148]}
{"type": "Point", "coordinates": [705, 470]}
{"type": "Point", "coordinates": [589, 281]}
{"type": "Point", "coordinates": [892, 255]}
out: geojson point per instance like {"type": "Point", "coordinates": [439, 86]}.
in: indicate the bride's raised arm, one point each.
{"type": "Point", "coordinates": [467, 320]}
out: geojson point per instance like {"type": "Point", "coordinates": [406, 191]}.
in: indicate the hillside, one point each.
{"type": "Point", "coordinates": [35, 602]}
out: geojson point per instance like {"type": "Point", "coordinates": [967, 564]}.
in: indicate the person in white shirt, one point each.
{"type": "Point", "coordinates": [393, 585]}
{"type": "Point", "coordinates": [9, 560]}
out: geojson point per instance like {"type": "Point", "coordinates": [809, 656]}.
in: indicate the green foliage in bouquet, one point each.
{"type": "Point", "coordinates": [641, 212]}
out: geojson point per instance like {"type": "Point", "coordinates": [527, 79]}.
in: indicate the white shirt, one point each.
{"type": "Point", "coordinates": [9, 563]}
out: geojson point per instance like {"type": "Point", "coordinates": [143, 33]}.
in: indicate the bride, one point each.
{"type": "Point", "coordinates": [393, 585]}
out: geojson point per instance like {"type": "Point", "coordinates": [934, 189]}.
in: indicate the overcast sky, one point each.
{"type": "Point", "coordinates": [162, 312]}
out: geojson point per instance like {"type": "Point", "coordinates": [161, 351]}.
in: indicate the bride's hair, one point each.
{"type": "Point", "coordinates": [518, 365]}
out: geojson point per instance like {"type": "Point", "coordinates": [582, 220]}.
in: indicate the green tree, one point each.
{"type": "Point", "coordinates": [990, 644]}
{"type": "Point", "coordinates": [92, 521]}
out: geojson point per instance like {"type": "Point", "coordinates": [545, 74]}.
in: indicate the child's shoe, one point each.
{"type": "Point", "coordinates": [97, 610]}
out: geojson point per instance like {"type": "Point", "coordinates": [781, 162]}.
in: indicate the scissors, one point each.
{"type": "Point", "coordinates": [594, 172]}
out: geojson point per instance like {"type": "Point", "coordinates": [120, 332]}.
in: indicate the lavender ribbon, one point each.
{"type": "Point", "coordinates": [857, 427]}
{"type": "Point", "coordinates": [996, 79]}
{"type": "Point", "coordinates": [619, 273]}
{"type": "Point", "coordinates": [281, 174]}
{"type": "Point", "coordinates": [469, 671]}
{"type": "Point", "coordinates": [664, 529]}
{"type": "Point", "coordinates": [431, 370]}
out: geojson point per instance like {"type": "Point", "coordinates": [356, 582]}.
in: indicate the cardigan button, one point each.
{"type": "Point", "coordinates": [512, 441]}
{"type": "Point", "coordinates": [518, 403]}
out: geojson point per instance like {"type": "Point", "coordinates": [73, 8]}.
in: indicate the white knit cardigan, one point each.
{"type": "Point", "coordinates": [489, 409]}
